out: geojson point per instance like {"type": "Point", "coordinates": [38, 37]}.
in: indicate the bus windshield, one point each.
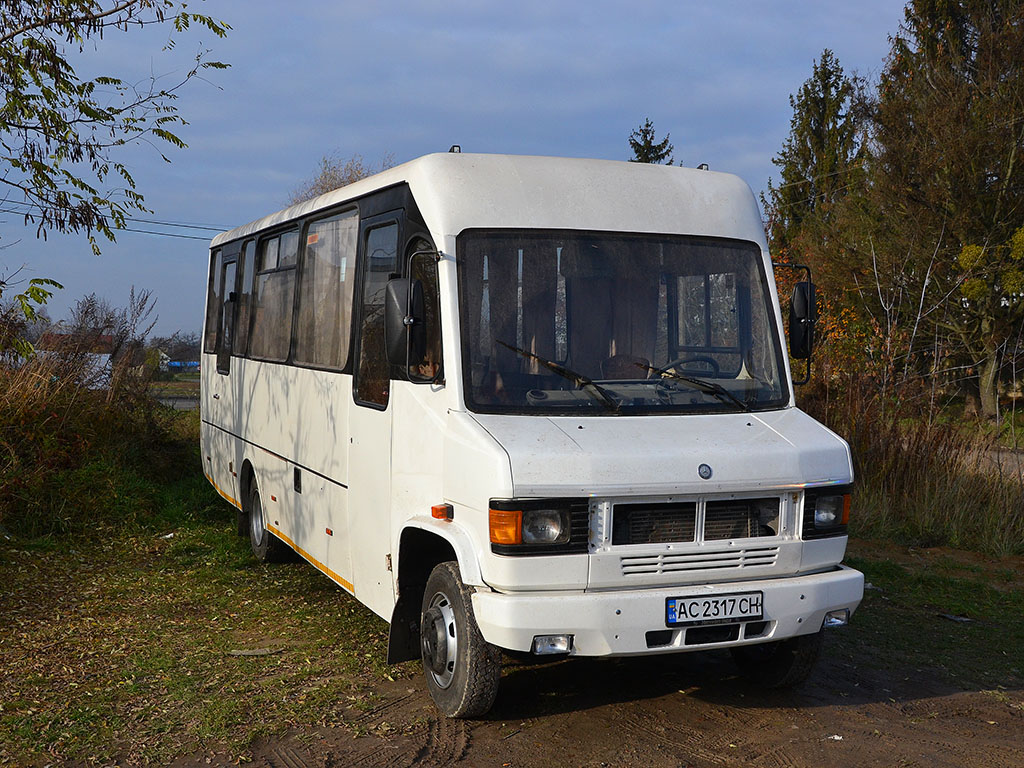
{"type": "Point", "coordinates": [590, 323]}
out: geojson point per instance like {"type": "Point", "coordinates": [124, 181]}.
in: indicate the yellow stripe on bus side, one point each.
{"type": "Point", "coordinates": [316, 563]}
{"type": "Point", "coordinates": [226, 496]}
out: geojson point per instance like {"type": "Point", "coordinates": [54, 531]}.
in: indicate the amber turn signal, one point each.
{"type": "Point", "coordinates": [846, 508]}
{"type": "Point", "coordinates": [506, 526]}
{"type": "Point", "coordinates": [442, 512]}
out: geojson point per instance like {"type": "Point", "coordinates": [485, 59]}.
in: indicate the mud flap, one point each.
{"type": "Point", "coordinates": [404, 636]}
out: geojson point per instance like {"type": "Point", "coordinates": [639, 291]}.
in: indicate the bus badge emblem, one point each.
{"type": "Point", "coordinates": [704, 471]}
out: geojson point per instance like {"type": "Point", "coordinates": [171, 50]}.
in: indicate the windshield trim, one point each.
{"type": "Point", "coordinates": [713, 406]}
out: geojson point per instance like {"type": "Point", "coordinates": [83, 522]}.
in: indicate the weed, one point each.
{"type": "Point", "coordinates": [920, 482]}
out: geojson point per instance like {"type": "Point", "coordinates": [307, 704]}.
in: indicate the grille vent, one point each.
{"type": "Point", "coordinates": [654, 523]}
{"type": "Point", "coordinates": [739, 519]}
{"type": "Point", "coordinates": [648, 565]}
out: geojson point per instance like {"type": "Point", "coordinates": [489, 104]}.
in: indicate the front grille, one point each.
{"type": "Point", "coordinates": [707, 559]}
{"type": "Point", "coordinates": [739, 518]}
{"type": "Point", "coordinates": [676, 522]}
{"type": "Point", "coordinates": [654, 523]}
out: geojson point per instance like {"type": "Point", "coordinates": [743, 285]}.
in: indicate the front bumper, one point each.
{"type": "Point", "coordinates": [623, 623]}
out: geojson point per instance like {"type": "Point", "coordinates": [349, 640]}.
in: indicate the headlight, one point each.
{"type": "Point", "coordinates": [538, 526]}
{"type": "Point", "coordinates": [831, 511]}
{"type": "Point", "coordinates": [826, 511]}
{"type": "Point", "coordinates": [545, 526]}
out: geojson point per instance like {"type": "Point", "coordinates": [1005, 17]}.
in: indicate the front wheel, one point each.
{"type": "Point", "coordinates": [780, 664]}
{"type": "Point", "coordinates": [462, 669]}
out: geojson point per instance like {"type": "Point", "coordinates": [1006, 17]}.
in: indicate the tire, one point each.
{"type": "Point", "coordinates": [265, 546]}
{"type": "Point", "coordinates": [462, 669]}
{"type": "Point", "coordinates": [780, 664]}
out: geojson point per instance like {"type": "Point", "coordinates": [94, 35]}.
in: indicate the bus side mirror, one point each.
{"type": "Point", "coordinates": [802, 317]}
{"type": "Point", "coordinates": [404, 328]}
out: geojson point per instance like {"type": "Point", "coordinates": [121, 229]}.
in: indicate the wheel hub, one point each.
{"type": "Point", "coordinates": [439, 640]}
{"type": "Point", "coordinates": [256, 526]}
{"type": "Point", "coordinates": [435, 649]}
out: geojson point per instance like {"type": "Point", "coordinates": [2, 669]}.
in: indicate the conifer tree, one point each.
{"type": "Point", "coordinates": [818, 156]}
{"type": "Point", "coordinates": [647, 149]}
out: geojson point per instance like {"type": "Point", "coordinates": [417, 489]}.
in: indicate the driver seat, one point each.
{"type": "Point", "coordinates": [625, 367]}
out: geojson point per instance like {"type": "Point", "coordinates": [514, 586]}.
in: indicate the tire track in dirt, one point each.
{"type": "Point", "coordinates": [447, 743]}
{"type": "Point", "coordinates": [691, 743]}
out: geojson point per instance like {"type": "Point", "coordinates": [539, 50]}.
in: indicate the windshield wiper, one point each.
{"type": "Point", "coordinates": [581, 381]}
{"type": "Point", "coordinates": [711, 387]}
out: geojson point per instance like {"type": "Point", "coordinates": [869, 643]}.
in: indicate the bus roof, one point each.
{"type": "Point", "coordinates": [457, 191]}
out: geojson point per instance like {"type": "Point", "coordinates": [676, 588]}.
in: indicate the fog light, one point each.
{"type": "Point", "coordinates": [838, 618]}
{"type": "Point", "coordinates": [546, 645]}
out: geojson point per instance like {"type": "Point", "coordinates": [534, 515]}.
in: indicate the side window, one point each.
{"type": "Point", "coordinates": [227, 317]}
{"type": "Point", "coordinates": [274, 294]}
{"type": "Point", "coordinates": [247, 267]}
{"type": "Point", "coordinates": [381, 261]}
{"type": "Point", "coordinates": [424, 269]}
{"type": "Point", "coordinates": [213, 299]}
{"type": "Point", "coordinates": [325, 291]}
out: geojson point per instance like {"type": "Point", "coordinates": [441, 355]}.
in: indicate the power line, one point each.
{"type": "Point", "coordinates": [163, 234]}
{"type": "Point", "coordinates": [176, 224]}
{"type": "Point", "coordinates": [810, 179]}
{"type": "Point", "coordinates": [140, 231]}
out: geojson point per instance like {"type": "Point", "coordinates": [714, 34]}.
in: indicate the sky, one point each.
{"type": "Point", "coordinates": [536, 77]}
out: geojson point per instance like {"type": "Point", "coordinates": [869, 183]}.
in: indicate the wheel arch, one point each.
{"type": "Point", "coordinates": [420, 548]}
{"type": "Point", "coordinates": [246, 477]}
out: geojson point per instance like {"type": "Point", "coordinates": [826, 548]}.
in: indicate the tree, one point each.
{"type": "Point", "coordinates": [940, 219]}
{"type": "Point", "coordinates": [818, 157]}
{"type": "Point", "coordinates": [646, 148]}
{"type": "Point", "coordinates": [335, 172]}
{"type": "Point", "coordinates": [59, 133]}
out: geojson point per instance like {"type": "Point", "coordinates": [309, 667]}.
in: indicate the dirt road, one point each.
{"type": "Point", "coordinates": [687, 710]}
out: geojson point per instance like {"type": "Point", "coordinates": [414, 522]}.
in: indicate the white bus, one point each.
{"type": "Point", "coordinates": [530, 404]}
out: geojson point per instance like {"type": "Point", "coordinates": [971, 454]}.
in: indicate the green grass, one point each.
{"type": "Point", "coordinates": [122, 650]}
{"type": "Point", "coordinates": [905, 618]}
{"type": "Point", "coordinates": [118, 621]}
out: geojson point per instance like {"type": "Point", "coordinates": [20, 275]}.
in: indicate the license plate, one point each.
{"type": "Point", "coordinates": [714, 609]}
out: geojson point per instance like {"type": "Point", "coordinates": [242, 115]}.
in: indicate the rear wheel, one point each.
{"type": "Point", "coordinates": [461, 668]}
{"type": "Point", "coordinates": [265, 546]}
{"type": "Point", "coordinates": [780, 664]}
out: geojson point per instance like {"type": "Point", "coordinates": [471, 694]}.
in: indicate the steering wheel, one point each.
{"type": "Point", "coordinates": [682, 362]}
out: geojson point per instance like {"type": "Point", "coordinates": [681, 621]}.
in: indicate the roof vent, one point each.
{"type": "Point", "coordinates": [703, 167]}
{"type": "Point", "coordinates": [455, 148]}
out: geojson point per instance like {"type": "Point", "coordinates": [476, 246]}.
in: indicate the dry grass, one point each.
{"type": "Point", "coordinates": [919, 481]}
{"type": "Point", "coordinates": [74, 456]}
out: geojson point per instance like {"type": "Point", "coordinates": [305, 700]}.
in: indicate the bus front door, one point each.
{"type": "Point", "coordinates": [370, 421]}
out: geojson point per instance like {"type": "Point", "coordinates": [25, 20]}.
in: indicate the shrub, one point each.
{"type": "Point", "coordinates": [73, 458]}
{"type": "Point", "coordinates": [919, 481]}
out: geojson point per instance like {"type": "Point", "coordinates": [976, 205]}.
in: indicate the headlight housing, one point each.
{"type": "Point", "coordinates": [538, 526]}
{"type": "Point", "coordinates": [826, 511]}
